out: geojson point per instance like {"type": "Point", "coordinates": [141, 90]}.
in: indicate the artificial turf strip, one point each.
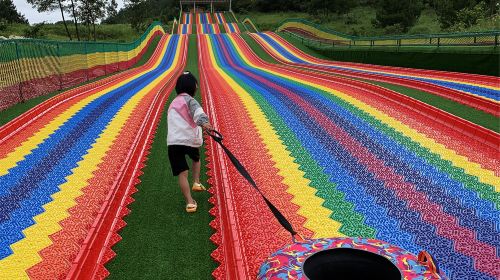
{"type": "Point", "coordinates": [12, 112]}
{"type": "Point", "coordinates": [473, 115]}
{"type": "Point", "coordinates": [162, 241]}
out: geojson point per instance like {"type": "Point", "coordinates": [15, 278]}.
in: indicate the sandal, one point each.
{"type": "Point", "coordinates": [191, 207]}
{"type": "Point", "coordinates": [197, 187]}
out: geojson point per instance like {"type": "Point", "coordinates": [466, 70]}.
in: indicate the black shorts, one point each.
{"type": "Point", "coordinates": [177, 156]}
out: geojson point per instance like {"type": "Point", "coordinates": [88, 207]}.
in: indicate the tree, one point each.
{"type": "Point", "coordinates": [51, 5]}
{"type": "Point", "coordinates": [398, 13]}
{"type": "Point", "coordinates": [9, 13]}
{"type": "Point", "coordinates": [75, 20]}
{"type": "Point", "coordinates": [90, 11]}
{"type": "Point", "coordinates": [111, 9]}
{"type": "Point", "coordinates": [446, 10]}
{"type": "Point", "coordinates": [466, 12]}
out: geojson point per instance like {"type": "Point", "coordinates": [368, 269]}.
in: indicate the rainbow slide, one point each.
{"type": "Point", "coordinates": [219, 17]}
{"type": "Point", "coordinates": [478, 91]}
{"type": "Point", "coordinates": [207, 29]}
{"type": "Point", "coordinates": [341, 157]}
{"type": "Point", "coordinates": [184, 28]}
{"type": "Point", "coordinates": [204, 18]}
{"type": "Point", "coordinates": [187, 18]}
{"type": "Point", "coordinates": [232, 28]}
{"type": "Point", "coordinates": [69, 165]}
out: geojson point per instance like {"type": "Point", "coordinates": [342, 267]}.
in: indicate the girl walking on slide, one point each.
{"type": "Point", "coordinates": [186, 119]}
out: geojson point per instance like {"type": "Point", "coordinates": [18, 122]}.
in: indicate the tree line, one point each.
{"type": "Point", "coordinates": [83, 13]}
{"type": "Point", "coordinates": [9, 13]}
{"type": "Point", "coordinates": [396, 15]}
{"type": "Point", "coordinates": [399, 13]}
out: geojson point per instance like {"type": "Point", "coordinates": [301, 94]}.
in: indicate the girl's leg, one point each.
{"type": "Point", "coordinates": [184, 184]}
{"type": "Point", "coordinates": [196, 171]}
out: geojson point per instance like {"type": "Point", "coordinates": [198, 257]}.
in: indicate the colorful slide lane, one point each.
{"type": "Point", "coordinates": [232, 28]}
{"type": "Point", "coordinates": [207, 29]}
{"type": "Point", "coordinates": [339, 160]}
{"type": "Point", "coordinates": [187, 18]}
{"type": "Point", "coordinates": [184, 29]}
{"type": "Point", "coordinates": [204, 18]}
{"type": "Point", "coordinates": [478, 91]}
{"type": "Point", "coordinates": [69, 166]}
{"type": "Point", "coordinates": [220, 18]}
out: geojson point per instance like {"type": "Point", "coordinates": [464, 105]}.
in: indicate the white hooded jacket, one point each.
{"type": "Point", "coordinates": [185, 116]}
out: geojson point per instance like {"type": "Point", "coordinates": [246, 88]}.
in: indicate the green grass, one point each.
{"type": "Point", "coordinates": [17, 109]}
{"type": "Point", "coordinates": [160, 240]}
{"type": "Point", "coordinates": [105, 32]}
{"type": "Point", "coordinates": [256, 48]}
{"type": "Point", "coordinates": [473, 115]}
{"type": "Point", "coordinates": [270, 21]}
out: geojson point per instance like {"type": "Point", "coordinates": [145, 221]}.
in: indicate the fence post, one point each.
{"type": "Point", "coordinates": [60, 66]}
{"type": "Point", "coordinates": [439, 41]}
{"type": "Point", "coordinates": [496, 40]}
{"type": "Point", "coordinates": [475, 39]}
{"type": "Point", "coordinates": [19, 73]}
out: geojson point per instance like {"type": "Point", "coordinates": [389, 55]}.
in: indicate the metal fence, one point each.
{"type": "Point", "coordinates": [32, 67]}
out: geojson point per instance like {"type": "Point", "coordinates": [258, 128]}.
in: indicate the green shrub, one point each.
{"type": "Point", "coordinates": [3, 25]}
{"type": "Point", "coordinates": [35, 31]}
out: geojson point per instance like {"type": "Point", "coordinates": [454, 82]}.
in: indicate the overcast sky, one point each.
{"type": "Point", "coordinates": [35, 17]}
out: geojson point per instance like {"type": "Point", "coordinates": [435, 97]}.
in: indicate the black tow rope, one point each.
{"type": "Point", "coordinates": [277, 214]}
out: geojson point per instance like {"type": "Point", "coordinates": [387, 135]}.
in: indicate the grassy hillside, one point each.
{"type": "Point", "coordinates": [104, 32]}
{"type": "Point", "coordinates": [359, 22]}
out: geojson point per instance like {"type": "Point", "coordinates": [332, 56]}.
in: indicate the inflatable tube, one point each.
{"type": "Point", "coordinates": [347, 258]}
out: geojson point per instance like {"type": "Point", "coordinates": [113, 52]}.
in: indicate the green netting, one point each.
{"type": "Point", "coordinates": [317, 32]}
{"type": "Point", "coordinates": [32, 67]}
{"type": "Point", "coordinates": [74, 47]}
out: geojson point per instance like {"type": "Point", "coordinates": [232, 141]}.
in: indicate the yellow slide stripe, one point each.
{"type": "Point", "coordinates": [310, 206]}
